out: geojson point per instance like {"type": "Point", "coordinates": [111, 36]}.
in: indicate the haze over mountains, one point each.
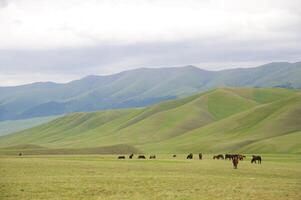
{"type": "Point", "coordinates": [249, 120]}
{"type": "Point", "coordinates": [136, 88]}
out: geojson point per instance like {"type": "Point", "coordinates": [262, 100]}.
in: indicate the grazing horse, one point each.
{"type": "Point", "coordinates": [241, 157]}
{"type": "Point", "coordinates": [121, 157]}
{"type": "Point", "coordinates": [152, 157]}
{"type": "Point", "coordinates": [256, 158]}
{"type": "Point", "coordinates": [141, 157]}
{"type": "Point", "coordinates": [235, 160]}
{"type": "Point", "coordinates": [220, 156]}
{"type": "Point", "coordinates": [190, 156]}
{"type": "Point", "coordinates": [200, 156]}
{"type": "Point", "coordinates": [228, 156]}
{"type": "Point", "coordinates": [174, 156]}
{"type": "Point", "coordinates": [131, 156]}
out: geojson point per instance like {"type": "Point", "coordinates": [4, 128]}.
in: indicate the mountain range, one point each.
{"type": "Point", "coordinates": [248, 120]}
{"type": "Point", "coordinates": [136, 88]}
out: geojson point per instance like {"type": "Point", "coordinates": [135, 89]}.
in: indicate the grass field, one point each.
{"type": "Point", "coordinates": [105, 177]}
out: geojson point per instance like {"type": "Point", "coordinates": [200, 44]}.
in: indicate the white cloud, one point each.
{"type": "Point", "coordinates": [59, 40]}
{"type": "Point", "coordinates": [74, 23]}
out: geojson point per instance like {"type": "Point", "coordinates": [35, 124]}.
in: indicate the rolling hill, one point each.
{"type": "Point", "coordinates": [249, 120]}
{"type": "Point", "coordinates": [136, 88]}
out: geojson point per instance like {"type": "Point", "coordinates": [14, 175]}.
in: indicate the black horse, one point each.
{"type": "Point", "coordinates": [190, 156]}
{"type": "Point", "coordinates": [174, 155]}
{"type": "Point", "coordinates": [228, 156]}
{"type": "Point", "coordinates": [200, 156]}
{"type": "Point", "coordinates": [121, 157]}
{"type": "Point", "coordinates": [141, 157]}
{"type": "Point", "coordinates": [131, 156]}
{"type": "Point", "coordinates": [255, 159]}
{"type": "Point", "coordinates": [219, 156]}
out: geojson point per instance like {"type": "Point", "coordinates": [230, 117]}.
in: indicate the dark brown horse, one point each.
{"type": "Point", "coordinates": [235, 160]}
{"type": "Point", "coordinates": [228, 156]}
{"type": "Point", "coordinates": [131, 156]}
{"type": "Point", "coordinates": [121, 157]}
{"type": "Point", "coordinates": [152, 157]}
{"type": "Point", "coordinates": [190, 156]}
{"type": "Point", "coordinates": [220, 156]}
{"type": "Point", "coordinates": [174, 155]}
{"type": "Point", "coordinates": [141, 157]}
{"type": "Point", "coordinates": [200, 156]}
{"type": "Point", "coordinates": [255, 159]}
{"type": "Point", "coordinates": [241, 157]}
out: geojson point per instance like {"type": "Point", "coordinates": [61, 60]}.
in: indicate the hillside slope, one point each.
{"type": "Point", "coordinates": [136, 88]}
{"type": "Point", "coordinates": [220, 120]}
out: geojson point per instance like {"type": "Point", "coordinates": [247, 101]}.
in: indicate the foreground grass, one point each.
{"type": "Point", "coordinates": [105, 177]}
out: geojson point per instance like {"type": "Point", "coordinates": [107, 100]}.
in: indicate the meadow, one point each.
{"type": "Point", "coordinates": [106, 177]}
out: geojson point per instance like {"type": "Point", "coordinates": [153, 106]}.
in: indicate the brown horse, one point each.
{"type": "Point", "coordinates": [190, 156]}
{"type": "Point", "coordinates": [141, 157]}
{"type": "Point", "coordinates": [256, 158]}
{"type": "Point", "coordinates": [200, 156]}
{"type": "Point", "coordinates": [131, 156]}
{"type": "Point", "coordinates": [235, 160]}
{"type": "Point", "coordinates": [121, 157]}
{"type": "Point", "coordinates": [228, 156]}
{"type": "Point", "coordinates": [220, 156]}
{"type": "Point", "coordinates": [152, 157]}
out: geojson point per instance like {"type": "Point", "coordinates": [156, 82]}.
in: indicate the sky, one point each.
{"type": "Point", "coordinates": [55, 40]}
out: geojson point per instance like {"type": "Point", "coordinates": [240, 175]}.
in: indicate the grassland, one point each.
{"type": "Point", "coordinates": [247, 120]}
{"type": "Point", "coordinates": [105, 177]}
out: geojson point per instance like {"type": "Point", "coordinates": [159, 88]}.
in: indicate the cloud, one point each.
{"type": "Point", "coordinates": [62, 40]}
{"type": "Point", "coordinates": [73, 23]}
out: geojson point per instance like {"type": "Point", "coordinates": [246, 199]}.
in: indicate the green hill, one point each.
{"type": "Point", "coordinates": [221, 120]}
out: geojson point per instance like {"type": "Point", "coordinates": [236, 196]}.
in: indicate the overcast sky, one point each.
{"type": "Point", "coordinates": [62, 40]}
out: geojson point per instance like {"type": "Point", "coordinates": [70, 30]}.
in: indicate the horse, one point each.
{"type": "Point", "coordinates": [131, 156]}
{"type": "Point", "coordinates": [200, 156]}
{"type": "Point", "coordinates": [189, 156]}
{"type": "Point", "coordinates": [141, 157]}
{"type": "Point", "coordinates": [256, 158]}
{"type": "Point", "coordinates": [220, 156]}
{"type": "Point", "coordinates": [121, 157]}
{"type": "Point", "coordinates": [241, 157]}
{"type": "Point", "coordinates": [174, 155]}
{"type": "Point", "coordinates": [235, 160]}
{"type": "Point", "coordinates": [20, 154]}
{"type": "Point", "coordinates": [152, 157]}
{"type": "Point", "coordinates": [228, 156]}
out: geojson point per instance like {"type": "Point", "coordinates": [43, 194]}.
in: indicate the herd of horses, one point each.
{"type": "Point", "coordinates": [234, 157]}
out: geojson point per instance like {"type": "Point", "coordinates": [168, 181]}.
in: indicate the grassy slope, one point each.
{"type": "Point", "coordinates": [225, 119]}
{"type": "Point", "coordinates": [259, 129]}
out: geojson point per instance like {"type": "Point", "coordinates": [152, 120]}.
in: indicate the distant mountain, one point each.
{"type": "Point", "coordinates": [136, 88]}
{"type": "Point", "coordinates": [248, 120]}
{"type": "Point", "coordinates": [11, 126]}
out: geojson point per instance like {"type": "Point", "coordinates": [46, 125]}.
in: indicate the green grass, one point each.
{"type": "Point", "coordinates": [248, 120]}
{"type": "Point", "coordinates": [105, 177]}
